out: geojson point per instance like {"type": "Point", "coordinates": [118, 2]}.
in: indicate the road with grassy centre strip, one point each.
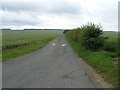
{"type": "Point", "coordinates": [54, 66]}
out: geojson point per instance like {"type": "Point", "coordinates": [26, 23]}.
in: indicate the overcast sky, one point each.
{"type": "Point", "coordinates": [62, 14]}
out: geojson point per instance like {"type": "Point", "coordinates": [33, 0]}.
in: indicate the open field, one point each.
{"type": "Point", "coordinates": [111, 43]}
{"type": "Point", "coordinates": [104, 62]}
{"type": "Point", "coordinates": [17, 43]}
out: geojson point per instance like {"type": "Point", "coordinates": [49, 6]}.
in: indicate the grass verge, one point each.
{"type": "Point", "coordinates": [103, 62]}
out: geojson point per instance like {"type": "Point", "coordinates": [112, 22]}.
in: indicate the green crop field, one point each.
{"type": "Point", "coordinates": [111, 43]}
{"type": "Point", "coordinates": [17, 43]}
{"type": "Point", "coordinates": [111, 35]}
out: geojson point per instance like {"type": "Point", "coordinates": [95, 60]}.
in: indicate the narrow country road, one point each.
{"type": "Point", "coordinates": [54, 66]}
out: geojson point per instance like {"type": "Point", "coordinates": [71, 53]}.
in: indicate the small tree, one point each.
{"type": "Point", "coordinates": [92, 38]}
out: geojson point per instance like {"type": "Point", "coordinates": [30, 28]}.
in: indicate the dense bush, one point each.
{"type": "Point", "coordinates": [92, 38]}
{"type": "Point", "coordinates": [89, 35]}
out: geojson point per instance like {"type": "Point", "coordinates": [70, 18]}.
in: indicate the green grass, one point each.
{"type": "Point", "coordinates": [17, 43]}
{"type": "Point", "coordinates": [102, 61]}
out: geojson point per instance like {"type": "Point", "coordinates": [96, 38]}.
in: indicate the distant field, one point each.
{"type": "Point", "coordinates": [111, 43]}
{"type": "Point", "coordinates": [17, 43]}
{"type": "Point", "coordinates": [113, 37]}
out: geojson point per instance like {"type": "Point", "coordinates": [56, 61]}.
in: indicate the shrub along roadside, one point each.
{"type": "Point", "coordinates": [101, 61]}
{"type": "Point", "coordinates": [90, 36]}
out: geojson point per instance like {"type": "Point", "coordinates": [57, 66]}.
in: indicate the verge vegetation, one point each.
{"type": "Point", "coordinates": [98, 49]}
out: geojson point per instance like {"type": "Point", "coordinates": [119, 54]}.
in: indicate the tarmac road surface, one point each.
{"type": "Point", "coordinates": [54, 66]}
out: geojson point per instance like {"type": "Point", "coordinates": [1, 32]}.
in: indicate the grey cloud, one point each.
{"type": "Point", "coordinates": [21, 6]}
{"type": "Point", "coordinates": [18, 19]}
{"type": "Point", "coordinates": [70, 8]}
{"type": "Point", "coordinates": [17, 22]}
{"type": "Point", "coordinates": [34, 9]}
{"type": "Point", "coordinates": [41, 7]}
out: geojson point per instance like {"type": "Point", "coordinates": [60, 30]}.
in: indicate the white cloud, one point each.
{"type": "Point", "coordinates": [60, 13]}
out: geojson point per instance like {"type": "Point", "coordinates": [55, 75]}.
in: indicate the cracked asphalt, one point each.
{"type": "Point", "coordinates": [54, 66]}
